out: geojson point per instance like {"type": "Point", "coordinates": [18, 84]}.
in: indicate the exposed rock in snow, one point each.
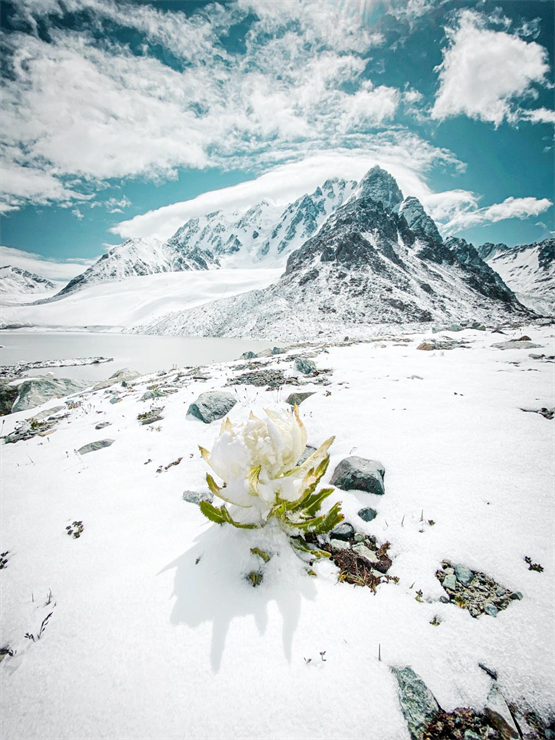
{"type": "Point", "coordinates": [36, 391]}
{"type": "Point", "coordinates": [94, 446]}
{"type": "Point", "coordinates": [16, 280]}
{"type": "Point", "coordinates": [418, 704]}
{"type": "Point", "coordinates": [357, 473]}
{"type": "Point", "coordinates": [528, 270]}
{"type": "Point", "coordinates": [212, 405]}
{"type": "Point", "coordinates": [137, 257]}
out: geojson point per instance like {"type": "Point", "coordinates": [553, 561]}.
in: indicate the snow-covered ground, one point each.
{"type": "Point", "coordinates": [154, 631]}
{"type": "Point", "coordinates": [138, 299]}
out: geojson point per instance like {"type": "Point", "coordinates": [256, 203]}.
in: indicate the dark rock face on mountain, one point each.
{"type": "Point", "coordinates": [480, 275]}
{"type": "Point", "coordinates": [376, 259]}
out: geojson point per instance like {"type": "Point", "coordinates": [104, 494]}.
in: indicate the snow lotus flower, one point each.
{"type": "Point", "coordinates": [258, 463]}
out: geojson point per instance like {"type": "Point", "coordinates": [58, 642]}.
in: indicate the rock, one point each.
{"type": "Point", "coordinates": [549, 734]}
{"type": "Point", "coordinates": [450, 582]}
{"type": "Point", "coordinates": [516, 344]}
{"type": "Point", "coordinates": [308, 451]}
{"type": "Point", "coordinates": [48, 412]}
{"type": "Point", "coordinates": [516, 596]}
{"type": "Point", "coordinates": [359, 474]}
{"type": "Point", "coordinates": [278, 351]}
{"type": "Point", "coordinates": [478, 327]}
{"type": "Point", "coordinates": [118, 377]}
{"type": "Point", "coordinates": [151, 418]}
{"type": "Point", "coordinates": [38, 390]}
{"type": "Point", "coordinates": [499, 714]}
{"type": "Point", "coordinates": [444, 599]}
{"type": "Point", "coordinates": [418, 704]}
{"type": "Point", "coordinates": [115, 399]}
{"type": "Point", "coordinates": [212, 405]}
{"type": "Point", "coordinates": [298, 398]}
{"type": "Point", "coordinates": [366, 553]}
{"type": "Point", "coordinates": [491, 609]}
{"type": "Point", "coordinates": [454, 327]}
{"type": "Point", "coordinates": [8, 394]}
{"type": "Point", "coordinates": [448, 571]}
{"type": "Point", "coordinates": [340, 544]}
{"type": "Point", "coordinates": [464, 574]}
{"type": "Point", "coordinates": [343, 532]}
{"type": "Point", "coordinates": [471, 735]}
{"type": "Point", "coordinates": [306, 367]}
{"type": "Point", "coordinates": [93, 446]}
{"type": "Point", "coordinates": [368, 514]}
{"type": "Point", "coordinates": [359, 537]}
{"type": "Point", "coordinates": [102, 424]}
{"type": "Point", "coordinates": [490, 671]}
{"type": "Point", "coordinates": [525, 338]}
{"type": "Point", "coordinates": [248, 356]}
{"type": "Point", "coordinates": [194, 497]}
{"type": "Point", "coordinates": [151, 395]}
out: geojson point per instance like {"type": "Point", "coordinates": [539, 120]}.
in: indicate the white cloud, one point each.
{"type": "Point", "coordinates": [539, 115]}
{"type": "Point", "coordinates": [51, 269]}
{"type": "Point", "coordinates": [485, 73]}
{"type": "Point", "coordinates": [81, 106]}
{"type": "Point", "coordinates": [405, 157]}
{"type": "Point", "coordinates": [468, 216]}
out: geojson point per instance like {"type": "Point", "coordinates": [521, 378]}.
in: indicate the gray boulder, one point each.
{"type": "Point", "coordinates": [8, 394]}
{"type": "Point", "coordinates": [124, 375]}
{"type": "Point", "coordinates": [464, 574]}
{"type": "Point", "coordinates": [306, 367]}
{"type": "Point", "coordinates": [93, 446]}
{"type": "Point", "coordinates": [359, 474]}
{"type": "Point", "coordinates": [212, 405]}
{"type": "Point", "coordinates": [516, 344]}
{"type": "Point", "coordinates": [36, 391]}
{"type": "Point", "coordinates": [278, 351]}
{"type": "Point", "coordinates": [418, 704]}
{"type": "Point", "coordinates": [298, 398]}
{"type": "Point", "coordinates": [247, 356]}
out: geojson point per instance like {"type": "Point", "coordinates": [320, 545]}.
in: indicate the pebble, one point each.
{"type": "Point", "coordinates": [343, 532]}
{"type": "Point", "coordinates": [449, 571]}
{"type": "Point", "coordinates": [368, 514]}
{"type": "Point", "coordinates": [450, 582]}
{"type": "Point", "coordinates": [366, 553]}
{"type": "Point", "coordinates": [340, 545]}
{"type": "Point", "coordinates": [359, 537]}
{"type": "Point", "coordinates": [491, 610]}
{"type": "Point", "coordinates": [516, 596]}
{"type": "Point", "coordinates": [464, 574]}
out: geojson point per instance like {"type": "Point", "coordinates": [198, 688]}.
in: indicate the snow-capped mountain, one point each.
{"type": "Point", "coordinates": [262, 236]}
{"type": "Point", "coordinates": [14, 280]}
{"type": "Point", "coordinates": [529, 270]}
{"type": "Point", "coordinates": [377, 259]}
{"type": "Point", "coordinates": [137, 257]}
{"type": "Point", "coordinates": [265, 233]}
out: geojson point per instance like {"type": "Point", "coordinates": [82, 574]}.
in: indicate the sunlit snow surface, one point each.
{"type": "Point", "coordinates": [144, 642]}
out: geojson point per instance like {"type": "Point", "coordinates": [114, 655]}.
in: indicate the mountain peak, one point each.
{"type": "Point", "coordinates": [378, 185]}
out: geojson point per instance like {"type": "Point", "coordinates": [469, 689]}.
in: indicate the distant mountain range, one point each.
{"type": "Point", "coordinates": [352, 254]}
{"type": "Point", "coordinates": [14, 280]}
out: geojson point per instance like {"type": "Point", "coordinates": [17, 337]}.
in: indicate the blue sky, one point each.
{"type": "Point", "coordinates": [124, 119]}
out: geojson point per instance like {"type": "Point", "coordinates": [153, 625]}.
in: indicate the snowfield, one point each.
{"type": "Point", "coordinates": [154, 631]}
{"type": "Point", "coordinates": [137, 299]}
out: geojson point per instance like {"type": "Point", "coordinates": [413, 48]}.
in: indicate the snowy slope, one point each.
{"type": "Point", "coordinates": [366, 265]}
{"type": "Point", "coordinates": [137, 299]}
{"type": "Point", "coordinates": [137, 257]}
{"type": "Point", "coordinates": [529, 270]}
{"type": "Point", "coordinates": [155, 634]}
{"type": "Point", "coordinates": [14, 280]}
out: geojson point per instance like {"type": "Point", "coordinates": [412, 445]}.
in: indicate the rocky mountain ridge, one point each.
{"type": "Point", "coordinates": [16, 280]}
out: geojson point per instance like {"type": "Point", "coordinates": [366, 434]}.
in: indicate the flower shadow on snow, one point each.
{"type": "Point", "coordinates": [211, 584]}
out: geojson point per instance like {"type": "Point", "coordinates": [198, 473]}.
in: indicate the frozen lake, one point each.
{"type": "Point", "coordinates": [143, 353]}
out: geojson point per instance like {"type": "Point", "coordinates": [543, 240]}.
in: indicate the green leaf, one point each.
{"type": "Point", "coordinates": [266, 556]}
{"type": "Point", "coordinates": [330, 520]}
{"type": "Point", "coordinates": [214, 513]}
{"type": "Point", "coordinates": [230, 520]}
{"type": "Point", "coordinates": [311, 505]}
{"type": "Point", "coordinates": [212, 485]}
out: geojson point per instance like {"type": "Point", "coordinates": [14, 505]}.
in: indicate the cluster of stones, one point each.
{"type": "Point", "coordinates": [474, 591]}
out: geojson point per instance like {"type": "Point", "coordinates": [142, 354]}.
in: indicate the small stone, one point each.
{"type": "Point", "coordinates": [115, 399]}
{"type": "Point", "coordinates": [93, 446]}
{"type": "Point", "coordinates": [448, 571]}
{"type": "Point", "coordinates": [368, 514]}
{"type": "Point", "coordinates": [491, 609]}
{"type": "Point", "coordinates": [516, 596]}
{"type": "Point", "coordinates": [359, 474]}
{"type": "Point", "coordinates": [343, 532]}
{"type": "Point", "coordinates": [444, 599]}
{"type": "Point", "coordinates": [297, 398]}
{"type": "Point", "coordinates": [525, 338]}
{"type": "Point", "coordinates": [306, 367]}
{"type": "Point", "coordinates": [150, 395]}
{"type": "Point", "coordinates": [194, 497]}
{"type": "Point", "coordinates": [340, 544]}
{"type": "Point", "coordinates": [278, 351]}
{"type": "Point", "coordinates": [500, 592]}
{"type": "Point", "coordinates": [248, 355]}
{"type": "Point", "coordinates": [549, 734]}
{"type": "Point", "coordinates": [365, 553]}
{"type": "Point", "coordinates": [359, 537]}
{"type": "Point", "coordinates": [102, 424]}
{"type": "Point", "coordinates": [450, 582]}
{"type": "Point", "coordinates": [212, 405]}
{"type": "Point", "coordinates": [464, 574]}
